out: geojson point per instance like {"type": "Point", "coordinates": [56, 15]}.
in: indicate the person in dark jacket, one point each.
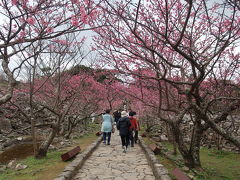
{"type": "Point", "coordinates": [123, 125]}
{"type": "Point", "coordinates": [117, 115]}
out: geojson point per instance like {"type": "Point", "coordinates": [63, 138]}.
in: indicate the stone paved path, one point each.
{"type": "Point", "coordinates": [108, 162]}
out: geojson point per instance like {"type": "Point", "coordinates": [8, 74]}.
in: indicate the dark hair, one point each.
{"type": "Point", "coordinates": [107, 110]}
{"type": "Point", "coordinates": [132, 113]}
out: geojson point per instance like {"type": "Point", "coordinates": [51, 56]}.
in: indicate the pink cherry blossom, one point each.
{"type": "Point", "coordinates": [14, 2]}
{"type": "Point", "coordinates": [74, 21]}
{"type": "Point", "coordinates": [49, 29]}
{"type": "Point", "coordinates": [31, 21]}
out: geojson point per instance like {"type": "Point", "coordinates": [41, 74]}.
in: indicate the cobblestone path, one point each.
{"type": "Point", "coordinates": [108, 162]}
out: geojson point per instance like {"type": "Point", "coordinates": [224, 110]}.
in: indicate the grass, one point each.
{"type": "Point", "coordinates": [216, 164]}
{"type": "Point", "coordinates": [219, 165]}
{"type": "Point", "coordinates": [47, 168]}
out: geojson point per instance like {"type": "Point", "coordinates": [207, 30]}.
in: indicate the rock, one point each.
{"type": "Point", "coordinates": [62, 143]}
{"type": "Point", "coordinates": [20, 166]}
{"type": "Point", "coordinates": [27, 109]}
{"type": "Point", "coordinates": [75, 137]}
{"type": "Point", "coordinates": [191, 176]}
{"type": "Point", "coordinates": [2, 140]}
{"type": "Point", "coordinates": [5, 124]}
{"type": "Point", "coordinates": [164, 138]}
{"type": "Point", "coordinates": [187, 139]}
{"type": "Point", "coordinates": [157, 139]}
{"type": "Point", "coordinates": [19, 138]}
{"type": "Point", "coordinates": [158, 165]}
{"type": "Point", "coordinates": [2, 168]}
{"type": "Point", "coordinates": [185, 169]}
{"type": "Point", "coordinates": [12, 164]}
{"type": "Point", "coordinates": [10, 142]}
{"type": "Point", "coordinates": [51, 147]}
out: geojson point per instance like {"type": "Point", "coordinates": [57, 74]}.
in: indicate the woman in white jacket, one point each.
{"type": "Point", "coordinates": [107, 126]}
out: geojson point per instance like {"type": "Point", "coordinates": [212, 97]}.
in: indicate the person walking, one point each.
{"type": "Point", "coordinates": [136, 132]}
{"type": "Point", "coordinates": [107, 126]}
{"type": "Point", "coordinates": [117, 116]}
{"type": "Point", "coordinates": [133, 127]}
{"type": "Point", "coordinates": [123, 125]}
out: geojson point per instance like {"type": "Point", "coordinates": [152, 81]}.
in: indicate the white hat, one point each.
{"type": "Point", "coordinates": [124, 113]}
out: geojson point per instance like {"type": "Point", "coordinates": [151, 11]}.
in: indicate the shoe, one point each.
{"type": "Point", "coordinates": [108, 143]}
{"type": "Point", "coordinates": [124, 149]}
{"type": "Point", "coordinates": [132, 145]}
{"type": "Point", "coordinates": [104, 142]}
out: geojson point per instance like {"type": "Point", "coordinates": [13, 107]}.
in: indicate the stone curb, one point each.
{"type": "Point", "coordinates": [160, 172]}
{"type": "Point", "coordinates": [71, 169]}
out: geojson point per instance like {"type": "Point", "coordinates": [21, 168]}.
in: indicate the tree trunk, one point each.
{"type": "Point", "coordinates": [11, 81]}
{"type": "Point", "coordinates": [33, 133]}
{"type": "Point", "coordinates": [196, 143]}
{"type": "Point", "coordinates": [62, 131]}
{"type": "Point", "coordinates": [190, 156]}
{"type": "Point", "coordinates": [174, 147]}
{"type": "Point", "coordinates": [224, 133]}
{"type": "Point", "coordinates": [31, 99]}
{"type": "Point", "coordinates": [69, 131]}
{"type": "Point", "coordinates": [42, 152]}
{"type": "Point", "coordinates": [171, 139]}
{"type": "Point", "coordinates": [190, 161]}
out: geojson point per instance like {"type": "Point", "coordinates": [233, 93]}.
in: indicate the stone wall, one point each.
{"type": "Point", "coordinates": [210, 139]}
{"type": "Point", "coordinates": [160, 172]}
{"type": "Point", "coordinates": [72, 168]}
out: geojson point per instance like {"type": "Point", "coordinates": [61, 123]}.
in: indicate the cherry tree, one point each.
{"type": "Point", "coordinates": [113, 86]}
{"type": "Point", "coordinates": [57, 57]}
{"type": "Point", "coordinates": [183, 44]}
{"type": "Point", "coordinates": [234, 3]}
{"type": "Point", "coordinates": [24, 22]}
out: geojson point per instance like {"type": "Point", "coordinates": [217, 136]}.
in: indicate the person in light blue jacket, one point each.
{"type": "Point", "coordinates": [107, 126]}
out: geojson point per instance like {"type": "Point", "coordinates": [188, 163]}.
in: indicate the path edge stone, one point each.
{"type": "Point", "coordinates": [159, 171]}
{"type": "Point", "coordinates": [71, 169]}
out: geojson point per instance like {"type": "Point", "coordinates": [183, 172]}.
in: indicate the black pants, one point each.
{"type": "Point", "coordinates": [131, 138]}
{"type": "Point", "coordinates": [136, 136]}
{"type": "Point", "coordinates": [105, 135]}
{"type": "Point", "coordinates": [125, 140]}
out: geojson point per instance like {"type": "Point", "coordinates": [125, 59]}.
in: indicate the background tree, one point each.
{"type": "Point", "coordinates": [24, 22]}
{"type": "Point", "coordinates": [46, 92]}
{"type": "Point", "coordinates": [182, 44]}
